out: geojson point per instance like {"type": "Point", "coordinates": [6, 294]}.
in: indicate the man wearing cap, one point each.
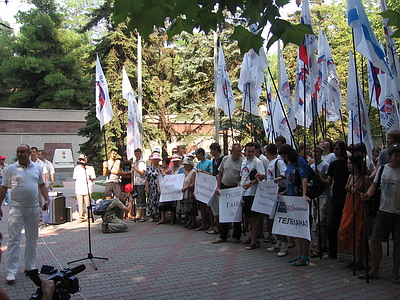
{"type": "Point", "coordinates": [111, 169]}
{"type": "Point", "coordinates": [24, 178]}
{"type": "Point", "coordinates": [84, 176]}
{"type": "Point", "coordinates": [3, 167]}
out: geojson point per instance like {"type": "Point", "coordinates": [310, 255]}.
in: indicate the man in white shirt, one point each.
{"type": "Point", "coordinates": [111, 169]}
{"type": "Point", "coordinates": [84, 176]}
{"type": "Point", "coordinates": [139, 168]}
{"type": "Point", "coordinates": [24, 178]}
{"type": "Point", "coordinates": [34, 159]}
{"type": "Point", "coordinates": [50, 170]}
{"type": "Point", "coordinates": [251, 166]}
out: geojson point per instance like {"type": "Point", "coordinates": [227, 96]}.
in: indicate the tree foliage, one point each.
{"type": "Point", "coordinates": [189, 15]}
{"type": "Point", "coordinates": [43, 71]}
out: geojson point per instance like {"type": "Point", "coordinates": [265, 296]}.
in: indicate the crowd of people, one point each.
{"type": "Point", "coordinates": [341, 217]}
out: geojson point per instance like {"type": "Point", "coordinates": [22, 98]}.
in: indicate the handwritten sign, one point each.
{"type": "Point", "coordinates": [205, 187]}
{"type": "Point", "coordinates": [171, 187]}
{"type": "Point", "coordinates": [230, 205]}
{"type": "Point", "coordinates": [265, 198]}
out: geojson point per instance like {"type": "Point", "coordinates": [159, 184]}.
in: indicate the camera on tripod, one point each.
{"type": "Point", "coordinates": [65, 281]}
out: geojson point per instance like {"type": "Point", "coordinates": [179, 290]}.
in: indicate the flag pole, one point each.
{"type": "Point", "coordinates": [362, 172]}
{"type": "Point", "coordinates": [105, 143]}
{"type": "Point", "coordinates": [283, 109]}
{"type": "Point", "coordinates": [216, 111]}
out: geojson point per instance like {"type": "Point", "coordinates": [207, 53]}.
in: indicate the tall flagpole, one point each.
{"type": "Point", "coordinates": [216, 111]}
{"type": "Point", "coordinates": [140, 88]}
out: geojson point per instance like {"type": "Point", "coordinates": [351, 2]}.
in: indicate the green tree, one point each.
{"type": "Point", "coordinates": [44, 71]}
{"type": "Point", "coordinates": [7, 39]}
{"type": "Point", "coordinates": [187, 15]}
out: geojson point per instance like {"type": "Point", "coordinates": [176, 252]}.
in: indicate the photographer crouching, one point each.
{"type": "Point", "coordinates": [112, 219]}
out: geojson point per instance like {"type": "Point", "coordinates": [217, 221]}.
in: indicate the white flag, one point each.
{"type": "Point", "coordinates": [225, 98]}
{"type": "Point", "coordinates": [280, 122]}
{"type": "Point", "coordinates": [305, 74]}
{"type": "Point", "coordinates": [329, 96]}
{"type": "Point", "coordinates": [284, 89]}
{"type": "Point", "coordinates": [389, 115]}
{"type": "Point", "coordinates": [251, 79]}
{"type": "Point", "coordinates": [364, 37]}
{"type": "Point", "coordinates": [132, 128]}
{"type": "Point", "coordinates": [357, 132]}
{"type": "Point", "coordinates": [104, 111]}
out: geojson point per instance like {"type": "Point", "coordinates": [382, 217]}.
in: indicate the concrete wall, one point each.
{"type": "Point", "coordinates": [36, 127]}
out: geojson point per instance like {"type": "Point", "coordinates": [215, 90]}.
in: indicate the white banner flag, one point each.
{"type": "Point", "coordinates": [265, 198]}
{"type": "Point", "coordinates": [104, 111]}
{"type": "Point", "coordinates": [132, 128]}
{"type": "Point", "coordinates": [225, 98]}
{"type": "Point", "coordinates": [292, 217]}
{"type": "Point", "coordinates": [205, 187]}
{"type": "Point", "coordinates": [171, 187]}
{"type": "Point", "coordinates": [230, 205]}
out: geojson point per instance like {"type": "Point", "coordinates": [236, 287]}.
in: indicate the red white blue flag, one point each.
{"type": "Point", "coordinates": [104, 111]}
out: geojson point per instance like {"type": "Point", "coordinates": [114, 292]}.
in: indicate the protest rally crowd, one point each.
{"type": "Point", "coordinates": [340, 218]}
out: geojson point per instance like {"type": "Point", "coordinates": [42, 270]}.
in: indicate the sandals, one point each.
{"type": "Point", "coordinates": [160, 222]}
{"type": "Point", "coordinates": [252, 247]}
{"type": "Point", "coordinates": [218, 241]}
{"type": "Point", "coordinates": [142, 220]}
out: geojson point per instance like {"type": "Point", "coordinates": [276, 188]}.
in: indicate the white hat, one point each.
{"type": "Point", "coordinates": [176, 157]}
{"type": "Point", "coordinates": [156, 155]}
{"type": "Point", "coordinates": [188, 161]}
{"type": "Point", "coordinates": [157, 149]}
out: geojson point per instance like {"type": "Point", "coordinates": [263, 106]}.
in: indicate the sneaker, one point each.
{"type": "Point", "coordinates": [10, 278]}
{"type": "Point", "coordinates": [284, 250]}
{"type": "Point", "coordinates": [5, 203]}
{"type": "Point", "coordinates": [272, 249]}
{"type": "Point", "coordinates": [104, 227]}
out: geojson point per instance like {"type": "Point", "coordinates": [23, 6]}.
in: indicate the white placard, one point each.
{"type": "Point", "coordinates": [214, 204]}
{"type": "Point", "coordinates": [230, 205]}
{"type": "Point", "coordinates": [292, 217]}
{"type": "Point", "coordinates": [171, 187]}
{"type": "Point", "coordinates": [205, 187]}
{"type": "Point", "coordinates": [265, 198]}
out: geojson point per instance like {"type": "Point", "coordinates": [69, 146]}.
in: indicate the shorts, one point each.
{"type": "Point", "coordinates": [248, 203]}
{"type": "Point", "coordinates": [384, 224]}
{"type": "Point", "coordinates": [141, 196]}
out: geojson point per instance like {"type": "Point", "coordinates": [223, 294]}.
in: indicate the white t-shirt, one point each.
{"type": "Point", "coordinates": [264, 160]}
{"type": "Point", "coordinates": [390, 190]}
{"type": "Point", "coordinates": [50, 169]}
{"type": "Point", "coordinates": [247, 167]}
{"type": "Point", "coordinates": [330, 157]}
{"type": "Point", "coordinates": [23, 182]}
{"type": "Point", "coordinates": [137, 178]}
{"type": "Point", "coordinates": [281, 168]}
{"type": "Point", "coordinates": [81, 187]}
{"type": "Point", "coordinates": [113, 166]}
{"type": "Point", "coordinates": [42, 166]}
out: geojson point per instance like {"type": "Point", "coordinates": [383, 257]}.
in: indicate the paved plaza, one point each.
{"type": "Point", "coordinates": [171, 262]}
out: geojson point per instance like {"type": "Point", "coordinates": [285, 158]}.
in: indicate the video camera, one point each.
{"type": "Point", "coordinates": [65, 281]}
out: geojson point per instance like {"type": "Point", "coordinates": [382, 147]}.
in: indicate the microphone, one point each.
{"type": "Point", "coordinates": [77, 270]}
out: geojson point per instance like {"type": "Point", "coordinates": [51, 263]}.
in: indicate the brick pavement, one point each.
{"type": "Point", "coordinates": [170, 262]}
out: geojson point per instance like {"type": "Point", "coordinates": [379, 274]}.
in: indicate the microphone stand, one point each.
{"type": "Point", "coordinates": [89, 211]}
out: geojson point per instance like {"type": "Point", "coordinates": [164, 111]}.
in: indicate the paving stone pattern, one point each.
{"type": "Point", "coordinates": [171, 262]}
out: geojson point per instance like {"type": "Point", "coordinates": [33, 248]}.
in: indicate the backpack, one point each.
{"type": "Point", "coordinates": [315, 185]}
{"type": "Point", "coordinates": [101, 206]}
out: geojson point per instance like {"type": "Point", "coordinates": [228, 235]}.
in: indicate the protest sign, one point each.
{"type": "Point", "coordinates": [205, 187]}
{"type": "Point", "coordinates": [265, 198]}
{"type": "Point", "coordinates": [292, 217]}
{"type": "Point", "coordinates": [171, 187]}
{"type": "Point", "coordinates": [230, 207]}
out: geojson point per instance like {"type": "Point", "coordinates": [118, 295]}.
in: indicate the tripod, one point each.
{"type": "Point", "coordinates": [90, 218]}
